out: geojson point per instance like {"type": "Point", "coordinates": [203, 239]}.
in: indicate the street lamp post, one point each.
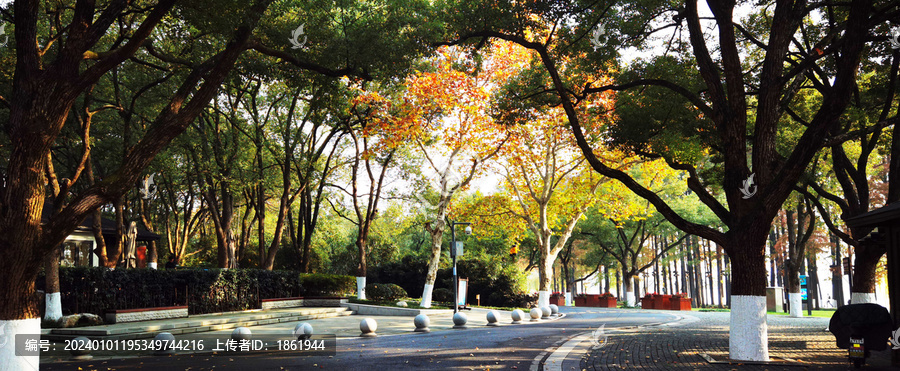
{"type": "Point", "coordinates": [468, 231]}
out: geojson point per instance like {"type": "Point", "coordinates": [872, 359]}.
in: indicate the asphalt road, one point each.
{"type": "Point", "coordinates": [508, 347]}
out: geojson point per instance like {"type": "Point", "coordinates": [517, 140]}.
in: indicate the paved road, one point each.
{"type": "Point", "coordinates": [479, 347]}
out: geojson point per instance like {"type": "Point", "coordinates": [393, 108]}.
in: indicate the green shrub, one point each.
{"type": "Point", "coordinates": [327, 284]}
{"type": "Point", "coordinates": [514, 300]}
{"type": "Point", "coordinates": [408, 272]}
{"type": "Point", "coordinates": [385, 292]}
{"type": "Point", "coordinates": [442, 295]}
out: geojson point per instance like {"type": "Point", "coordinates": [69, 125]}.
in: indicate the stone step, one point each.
{"type": "Point", "coordinates": [195, 324]}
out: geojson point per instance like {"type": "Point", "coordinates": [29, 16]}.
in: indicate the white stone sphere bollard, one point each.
{"type": "Point", "coordinates": [517, 316]}
{"type": "Point", "coordinates": [545, 312]}
{"type": "Point", "coordinates": [422, 322]}
{"type": "Point", "coordinates": [554, 310]}
{"type": "Point", "coordinates": [459, 321]}
{"type": "Point", "coordinates": [303, 331]}
{"type": "Point", "coordinates": [536, 314]}
{"type": "Point", "coordinates": [165, 340]}
{"type": "Point", "coordinates": [79, 349]}
{"type": "Point", "coordinates": [241, 333]}
{"type": "Point", "coordinates": [368, 326]}
{"type": "Point", "coordinates": [492, 318]}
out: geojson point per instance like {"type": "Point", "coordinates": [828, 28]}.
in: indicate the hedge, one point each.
{"type": "Point", "coordinates": [385, 292]}
{"type": "Point", "coordinates": [96, 289]}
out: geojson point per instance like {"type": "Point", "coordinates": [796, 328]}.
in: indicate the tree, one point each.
{"type": "Point", "coordinates": [800, 226]}
{"type": "Point", "coordinates": [49, 78]}
{"type": "Point", "coordinates": [847, 181]}
{"type": "Point", "coordinates": [551, 187]}
{"type": "Point", "coordinates": [449, 107]}
{"type": "Point", "coordinates": [372, 157]}
{"type": "Point", "coordinates": [736, 113]}
{"type": "Point", "coordinates": [624, 225]}
{"type": "Point", "coordinates": [625, 241]}
{"type": "Point", "coordinates": [37, 112]}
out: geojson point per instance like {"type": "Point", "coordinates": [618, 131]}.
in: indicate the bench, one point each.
{"type": "Point", "coordinates": [113, 316]}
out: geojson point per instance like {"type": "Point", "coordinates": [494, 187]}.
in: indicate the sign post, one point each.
{"type": "Point", "coordinates": [456, 248]}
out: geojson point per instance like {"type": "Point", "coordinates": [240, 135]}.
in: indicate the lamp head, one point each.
{"type": "Point", "coordinates": [468, 230]}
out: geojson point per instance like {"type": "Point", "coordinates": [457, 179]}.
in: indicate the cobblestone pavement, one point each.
{"type": "Point", "coordinates": [794, 344]}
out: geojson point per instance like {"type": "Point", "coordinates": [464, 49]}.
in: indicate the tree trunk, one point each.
{"type": "Point", "coordinates": [720, 275]}
{"type": "Point", "coordinates": [436, 231]}
{"type": "Point", "coordinates": [792, 272]}
{"type": "Point", "coordinates": [728, 281]}
{"type": "Point", "coordinates": [691, 278]}
{"type": "Point", "coordinates": [115, 256]}
{"type": "Point", "coordinates": [748, 330]}
{"type": "Point", "coordinates": [709, 274]}
{"type": "Point", "coordinates": [837, 276]}
{"type": "Point", "coordinates": [620, 288]}
{"type": "Point", "coordinates": [683, 274]}
{"type": "Point", "coordinates": [19, 312]}
{"type": "Point", "coordinates": [606, 275]}
{"type": "Point", "coordinates": [261, 218]}
{"type": "Point", "coordinates": [284, 207]}
{"type": "Point", "coordinates": [100, 249]}
{"type": "Point", "coordinates": [361, 268]}
{"type": "Point", "coordinates": [812, 282]}
{"type": "Point", "coordinates": [52, 299]}
{"type": "Point", "coordinates": [545, 269]}
{"type": "Point", "coordinates": [864, 269]}
{"type": "Point", "coordinates": [773, 239]}
{"type": "Point", "coordinates": [628, 288]}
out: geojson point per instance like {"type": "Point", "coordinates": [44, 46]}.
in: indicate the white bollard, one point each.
{"type": "Point", "coordinates": [492, 318]}
{"type": "Point", "coordinates": [303, 331]}
{"type": "Point", "coordinates": [459, 321]}
{"type": "Point", "coordinates": [554, 310]}
{"type": "Point", "coordinates": [241, 333]}
{"type": "Point", "coordinates": [79, 349]}
{"type": "Point", "coordinates": [367, 328]}
{"type": "Point", "coordinates": [517, 316]}
{"type": "Point", "coordinates": [545, 312]}
{"type": "Point", "coordinates": [422, 322]}
{"type": "Point", "coordinates": [536, 314]}
{"type": "Point", "coordinates": [165, 340]}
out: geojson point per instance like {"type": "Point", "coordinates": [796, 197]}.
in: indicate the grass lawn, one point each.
{"type": "Point", "coordinates": [410, 304]}
{"type": "Point", "coordinates": [823, 313]}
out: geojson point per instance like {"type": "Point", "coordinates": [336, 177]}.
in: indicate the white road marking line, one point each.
{"type": "Point", "coordinates": [555, 360]}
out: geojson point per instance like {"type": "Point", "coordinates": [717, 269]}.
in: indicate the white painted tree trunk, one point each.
{"type": "Point", "coordinates": [8, 331]}
{"type": "Point", "coordinates": [569, 299]}
{"type": "Point", "coordinates": [748, 337]}
{"type": "Point", "coordinates": [795, 303]}
{"type": "Point", "coordinates": [52, 306]}
{"type": "Point", "coordinates": [151, 265]}
{"type": "Point", "coordinates": [862, 297]}
{"type": "Point", "coordinates": [426, 296]}
{"type": "Point", "coordinates": [361, 288]}
{"type": "Point", "coordinates": [629, 298]}
{"type": "Point", "coordinates": [543, 299]}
